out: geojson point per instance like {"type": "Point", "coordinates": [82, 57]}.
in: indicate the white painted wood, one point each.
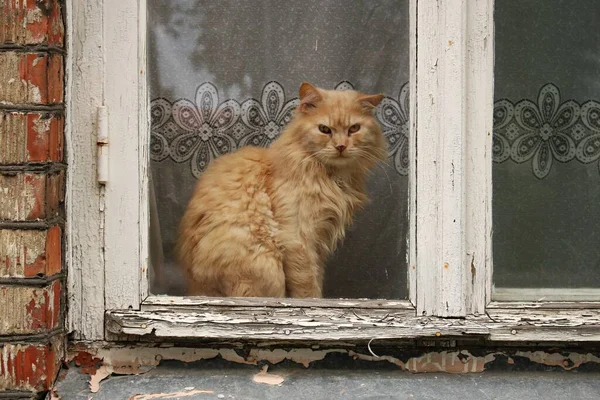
{"type": "Point", "coordinates": [144, 153]}
{"type": "Point", "coordinates": [545, 294]}
{"type": "Point", "coordinates": [84, 197]}
{"type": "Point", "coordinates": [452, 154]}
{"type": "Point", "coordinates": [304, 323]}
{"type": "Point", "coordinates": [440, 138]}
{"type": "Point", "coordinates": [179, 302]}
{"type": "Point", "coordinates": [412, 143]}
{"type": "Point", "coordinates": [102, 141]}
{"type": "Point", "coordinates": [546, 305]}
{"type": "Point", "coordinates": [124, 190]}
{"type": "Point", "coordinates": [479, 70]}
{"type": "Point", "coordinates": [353, 324]}
{"type": "Point", "coordinates": [424, 172]}
{"type": "Point", "coordinates": [542, 325]}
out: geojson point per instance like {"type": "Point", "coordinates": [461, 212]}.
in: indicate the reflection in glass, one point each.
{"type": "Point", "coordinates": [204, 55]}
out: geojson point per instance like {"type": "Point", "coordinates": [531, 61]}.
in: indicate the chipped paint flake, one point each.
{"type": "Point", "coordinates": [301, 356]}
{"type": "Point", "coordinates": [267, 378]}
{"type": "Point", "coordinates": [173, 395]}
{"type": "Point", "coordinates": [41, 126]}
{"type": "Point", "coordinates": [35, 94]}
{"type": "Point", "coordinates": [21, 251]}
{"type": "Point", "coordinates": [140, 359]}
{"type": "Point", "coordinates": [102, 373]}
{"type": "Point", "coordinates": [34, 15]}
{"type": "Point", "coordinates": [567, 362]}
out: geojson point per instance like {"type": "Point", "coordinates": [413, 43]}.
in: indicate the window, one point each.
{"type": "Point", "coordinates": [546, 190]}
{"type": "Point", "coordinates": [458, 132]}
{"type": "Point", "coordinates": [244, 63]}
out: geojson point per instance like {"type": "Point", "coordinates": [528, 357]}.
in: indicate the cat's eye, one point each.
{"type": "Point", "coordinates": [354, 128]}
{"type": "Point", "coordinates": [324, 129]}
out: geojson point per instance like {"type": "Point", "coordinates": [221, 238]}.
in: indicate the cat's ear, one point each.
{"type": "Point", "coordinates": [309, 97]}
{"type": "Point", "coordinates": [370, 101]}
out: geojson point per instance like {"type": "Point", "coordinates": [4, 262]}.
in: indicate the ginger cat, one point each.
{"type": "Point", "coordinates": [262, 222]}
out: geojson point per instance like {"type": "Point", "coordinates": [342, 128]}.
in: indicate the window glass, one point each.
{"type": "Point", "coordinates": [546, 173]}
{"type": "Point", "coordinates": [241, 52]}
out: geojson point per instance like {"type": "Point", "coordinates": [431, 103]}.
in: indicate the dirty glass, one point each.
{"type": "Point", "coordinates": [546, 171]}
{"type": "Point", "coordinates": [261, 51]}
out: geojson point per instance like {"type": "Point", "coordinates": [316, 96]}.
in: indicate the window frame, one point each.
{"type": "Point", "coordinates": [450, 264]}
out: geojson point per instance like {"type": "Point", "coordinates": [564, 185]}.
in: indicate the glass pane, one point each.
{"type": "Point", "coordinates": [240, 53]}
{"type": "Point", "coordinates": [546, 173]}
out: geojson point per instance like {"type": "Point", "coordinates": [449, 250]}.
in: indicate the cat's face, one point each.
{"type": "Point", "coordinates": [338, 127]}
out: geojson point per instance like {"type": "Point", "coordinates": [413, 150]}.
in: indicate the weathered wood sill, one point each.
{"type": "Point", "coordinates": [343, 320]}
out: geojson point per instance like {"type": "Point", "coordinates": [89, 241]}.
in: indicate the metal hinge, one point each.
{"type": "Point", "coordinates": [102, 142]}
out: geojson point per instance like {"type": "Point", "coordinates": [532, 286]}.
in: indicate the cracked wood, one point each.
{"type": "Point", "coordinates": [296, 323]}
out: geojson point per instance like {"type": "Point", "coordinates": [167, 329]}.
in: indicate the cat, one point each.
{"type": "Point", "coordinates": [262, 221]}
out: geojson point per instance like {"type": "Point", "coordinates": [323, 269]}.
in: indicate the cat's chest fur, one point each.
{"type": "Point", "coordinates": [320, 209]}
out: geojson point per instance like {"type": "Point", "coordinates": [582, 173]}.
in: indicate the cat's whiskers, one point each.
{"type": "Point", "coordinates": [368, 156]}
{"type": "Point", "coordinates": [378, 162]}
{"type": "Point", "coordinates": [309, 157]}
{"type": "Point", "coordinates": [316, 156]}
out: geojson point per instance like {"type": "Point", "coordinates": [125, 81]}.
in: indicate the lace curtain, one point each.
{"type": "Point", "coordinates": [546, 148]}
{"type": "Point", "coordinates": [226, 74]}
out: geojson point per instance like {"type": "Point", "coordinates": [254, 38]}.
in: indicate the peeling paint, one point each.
{"type": "Point", "coordinates": [568, 362]}
{"type": "Point", "coordinates": [54, 395]}
{"type": "Point", "coordinates": [173, 395]}
{"type": "Point", "coordinates": [41, 126]}
{"type": "Point", "coordinates": [36, 308]}
{"type": "Point", "coordinates": [35, 78]}
{"type": "Point", "coordinates": [29, 367]}
{"type": "Point", "coordinates": [22, 253]}
{"type": "Point", "coordinates": [31, 22]}
{"type": "Point", "coordinates": [140, 359]}
{"type": "Point", "coordinates": [267, 378]}
{"type": "Point", "coordinates": [34, 15]}
{"type": "Point", "coordinates": [86, 362]}
{"type": "Point", "coordinates": [35, 94]}
{"type": "Point", "coordinates": [25, 196]}
{"type": "Point", "coordinates": [136, 360]}
{"type": "Point", "coordinates": [101, 373]}
{"type": "Point", "coordinates": [29, 310]}
{"type": "Point", "coordinates": [450, 362]}
{"type": "Point", "coordinates": [299, 356]}
{"type": "Point", "coordinates": [301, 323]}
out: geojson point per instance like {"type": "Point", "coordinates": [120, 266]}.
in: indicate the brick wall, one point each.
{"type": "Point", "coordinates": [32, 172]}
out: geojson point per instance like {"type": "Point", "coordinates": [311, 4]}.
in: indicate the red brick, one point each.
{"type": "Point", "coordinates": [30, 253]}
{"type": "Point", "coordinates": [29, 310]}
{"type": "Point", "coordinates": [28, 196]}
{"type": "Point", "coordinates": [55, 185]}
{"type": "Point", "coordinates": [31, 78]}
{"type": "Point", "coordinates": [31, 22]}
{"type": "Point", "coordinates": [31, 137]}
{"type": "Point", "coordinates": [53, 252]}
{"type": "Point", "coordinates": [29, 367]}
{"type": "Point", "coordinates": [24, 196]}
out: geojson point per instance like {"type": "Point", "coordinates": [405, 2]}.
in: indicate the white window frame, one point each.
{"type": "Point", "coordinates": [450, 265]}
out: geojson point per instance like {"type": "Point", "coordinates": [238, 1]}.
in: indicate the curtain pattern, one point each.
{"type": "Point", "coordinates": [546, 144]}
{"type": "Point", "coordinates": [546, 129]}
{"type": "Point", "coordinates": [200, 130]}
{"type": "Point", "coordinates": [226, 74]}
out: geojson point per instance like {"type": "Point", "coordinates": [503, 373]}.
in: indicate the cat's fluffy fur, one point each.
{"type": "Point", "coordinates": [262, 222]}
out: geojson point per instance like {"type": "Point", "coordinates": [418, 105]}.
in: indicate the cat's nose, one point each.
{"type": "Point", "coordinates": [340, 148]}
